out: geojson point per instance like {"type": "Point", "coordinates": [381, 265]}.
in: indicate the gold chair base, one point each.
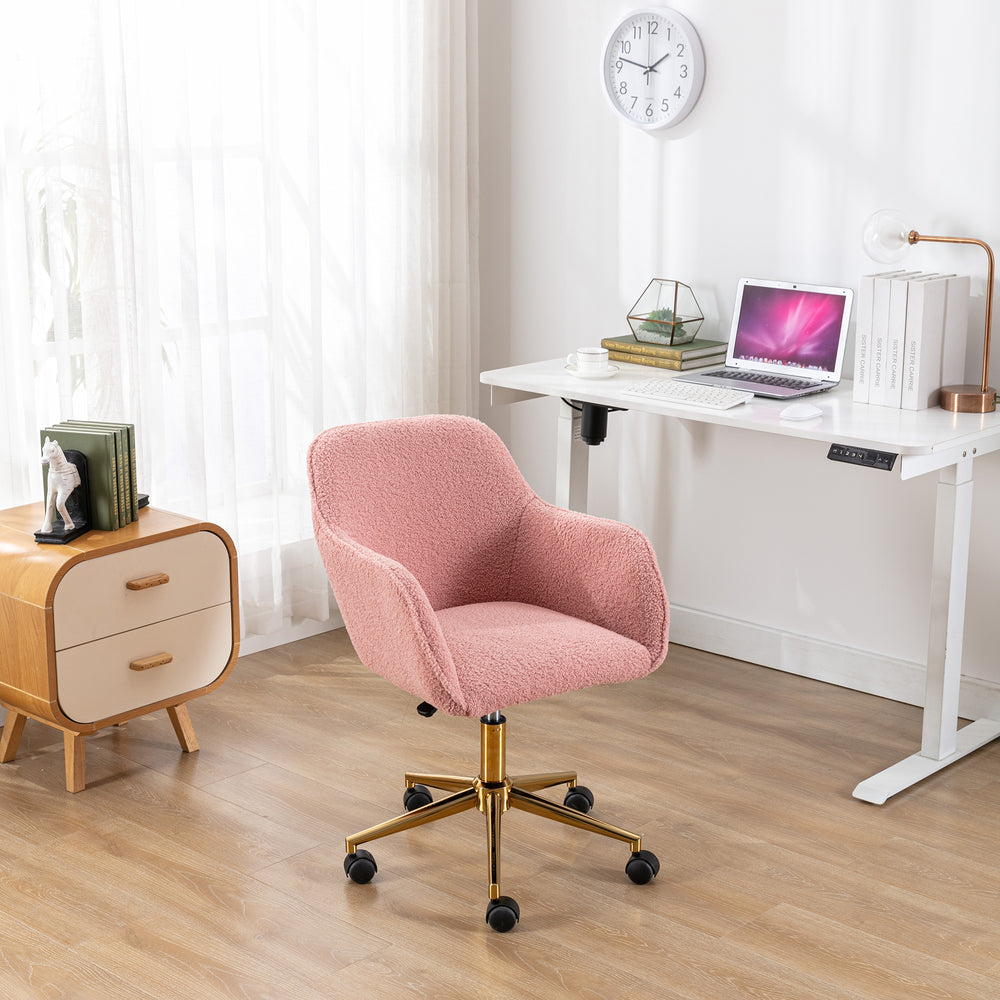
{"type": "Point", "coordinates": [492, 793]}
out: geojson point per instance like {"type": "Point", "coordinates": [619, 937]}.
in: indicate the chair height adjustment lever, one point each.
{"type": "Point", "coordinates": [426, 709]}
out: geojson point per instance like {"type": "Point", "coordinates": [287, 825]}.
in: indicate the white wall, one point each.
{"type": "Point", "coordinates": [814, 114]}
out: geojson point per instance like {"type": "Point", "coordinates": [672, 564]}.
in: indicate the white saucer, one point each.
{"type": "Point", "coordinates": [604, 373]}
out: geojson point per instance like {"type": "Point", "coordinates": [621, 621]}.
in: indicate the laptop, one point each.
{"type": "Point", "coordinates": [787, 339]}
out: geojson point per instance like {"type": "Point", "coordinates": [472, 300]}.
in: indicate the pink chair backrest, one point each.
{"type": "Point", "coordinates": [439, 494]}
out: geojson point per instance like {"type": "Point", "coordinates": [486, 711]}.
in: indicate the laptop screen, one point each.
{"type": "Point", "coordinates": [789, 326]}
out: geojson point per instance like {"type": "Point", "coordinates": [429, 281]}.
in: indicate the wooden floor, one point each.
{"type": "Point", "coordinates": [219, 874]}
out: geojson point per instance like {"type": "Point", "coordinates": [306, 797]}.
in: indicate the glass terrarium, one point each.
{"type": "Point", "coordinates": [667, 313]}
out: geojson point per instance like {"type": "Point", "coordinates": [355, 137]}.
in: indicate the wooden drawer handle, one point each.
{"type": "Point", "coordinates": [157, 660]}
{"type": "Point", "coordinates": [144, 583]}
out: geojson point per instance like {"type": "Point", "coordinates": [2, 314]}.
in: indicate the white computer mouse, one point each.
{"type": "Point", "coordinates": [800, 411]}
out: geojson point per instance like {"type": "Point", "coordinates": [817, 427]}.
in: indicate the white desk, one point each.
{"type": "Point", "coordinates": [926, 441]}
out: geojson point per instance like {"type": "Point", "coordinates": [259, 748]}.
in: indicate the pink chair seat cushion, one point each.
{"type": "Point", "coordinates": [506, 653]}
{"type": "Point", "coordinates": [460, 585]}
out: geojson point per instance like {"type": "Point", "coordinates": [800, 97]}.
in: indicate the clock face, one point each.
{"type": "Point", "coordinates": [653, 68]}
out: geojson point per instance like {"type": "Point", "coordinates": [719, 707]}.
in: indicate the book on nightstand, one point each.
{"type": "Point", "coordinates": [125, 449]}
{"type": "Point", "coordinates": [121, 459]}
{"type": "Point", "coordinates": [110, 450]}
{"type": "Point", "coordinates": [102, 467]}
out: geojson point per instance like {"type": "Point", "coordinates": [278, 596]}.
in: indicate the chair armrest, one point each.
{"type": "Point", "coordinates": [389, 618]}
{"type": "Point", "coordinates": [593, 568]}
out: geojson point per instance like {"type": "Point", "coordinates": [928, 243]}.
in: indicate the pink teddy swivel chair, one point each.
{"type": "Point", "coordinates": [461, 586]}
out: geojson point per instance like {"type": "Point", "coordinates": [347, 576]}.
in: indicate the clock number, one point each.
{"type": "Point", "coordinates": [664, 107]}
{"type": "Point", "coordinates": [680, 50]}
{"type": "Point", "coordinates": [636, 32]}
{"type": "Point", "coordinates": [634, 100]}
{"type": "Point", "coordinates": [626, 47]}
{"type": "Point", "coordinates": [623, 88]}
{"type": "Point", "coordinates": [677, 93]}
{"type": "Point", "coordinates": [653, 27]}
{"type": "Point", "coordinates": [684, 72]}
{"type": "Point", "coordinates": [649, 110]}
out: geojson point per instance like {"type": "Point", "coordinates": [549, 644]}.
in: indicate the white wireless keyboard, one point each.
{"type": "Point", "coordinates": [670, 390]}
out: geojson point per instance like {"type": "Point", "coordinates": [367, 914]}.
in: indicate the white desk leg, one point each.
{"type": "Point", "coordinates": [942, 742]}
{"type": "Point", "coordinates": [949, 576]}
{"type": "Point", "coordinates": [572, 461]}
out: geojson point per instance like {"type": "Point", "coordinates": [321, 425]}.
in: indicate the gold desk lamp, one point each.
{"type": "Point", "coordinates": [885, 240]}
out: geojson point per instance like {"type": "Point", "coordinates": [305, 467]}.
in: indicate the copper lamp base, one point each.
{"type": "Point", "coordinates": [968, 399]}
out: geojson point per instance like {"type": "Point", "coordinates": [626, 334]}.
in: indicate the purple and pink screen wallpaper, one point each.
{"type": "Point", "coordinates": [784, 326]}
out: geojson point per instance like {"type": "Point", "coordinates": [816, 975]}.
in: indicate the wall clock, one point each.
{"type": "Point", "coordinates": [653, 68]}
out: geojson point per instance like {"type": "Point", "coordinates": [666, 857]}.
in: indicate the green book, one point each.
{"type": "Point", "coordinates": [124, 515]}
{"type": "Point", "coordinates": [126, 459]}
{"type": "Point", "coordinates": [102, 469]}
{"type": "Point", "coordinates": [677, 352]}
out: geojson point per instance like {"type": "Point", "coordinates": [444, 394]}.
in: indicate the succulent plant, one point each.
{"type": "Point", "coordinates": [659, 318]}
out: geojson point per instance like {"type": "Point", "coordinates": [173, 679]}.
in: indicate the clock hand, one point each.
{"type": "Point", "coordinates": [652, 69]}
{"type": "Point", "coordinates": [631, 63]}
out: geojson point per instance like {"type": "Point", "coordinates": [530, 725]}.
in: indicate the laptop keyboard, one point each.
{"type": "Point", "coordinates": [762, 379]}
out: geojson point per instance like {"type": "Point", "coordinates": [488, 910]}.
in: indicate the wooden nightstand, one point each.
{"type": "Point", "coordinates": [114, 625]}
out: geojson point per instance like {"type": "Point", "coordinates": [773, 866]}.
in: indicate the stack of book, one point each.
{"type": "Point", "coordinates": [110, 452]}
{"type": "Point", "coordinates": [911, 334]}
{"type": "Point", "coordinates": [677, 357]}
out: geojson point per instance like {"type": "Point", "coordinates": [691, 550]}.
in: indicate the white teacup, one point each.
{"type": "Point", "coordinates": [588, 360]}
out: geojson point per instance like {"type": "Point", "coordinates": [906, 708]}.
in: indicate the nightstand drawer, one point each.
{"type": "Point", "coordinates": [120, 673]}
{"type": "Point", "coordinates": [167, 578]}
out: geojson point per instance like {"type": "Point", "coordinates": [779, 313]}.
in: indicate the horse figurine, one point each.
{"type": "Point", "coordinates": [63, 479]}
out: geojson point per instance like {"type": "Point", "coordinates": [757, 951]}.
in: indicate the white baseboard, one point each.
{"type": "Point", "coordinates": [830, 662]}
{"type": "Point", "coordinates": [898, 680]}
{"type": "Point", "coordinates": [255, 643]}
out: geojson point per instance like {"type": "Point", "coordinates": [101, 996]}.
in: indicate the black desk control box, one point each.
{"type": "Point", "coordinates": [867, 457]}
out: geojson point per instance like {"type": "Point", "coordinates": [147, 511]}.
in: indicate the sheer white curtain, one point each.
{"type": "Point", "coordinates": [234, 223]}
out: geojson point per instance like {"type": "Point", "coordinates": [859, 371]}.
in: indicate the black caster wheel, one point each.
{"type": "Point", "coordinates": [415, 797]}
{"type": "Point", "coordinates": [579, 798]}
{"type": "Point", "coordinates": [360, 866]}
{"type": "Point", "coordinates": [642, 867]}
{"type": "Point", "coordinates": [502, 913]}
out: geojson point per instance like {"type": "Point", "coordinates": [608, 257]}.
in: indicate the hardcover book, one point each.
{"type": "Point", "coordinates": [677, 352]}
{"type": "Point", "coordinates": [669, 363]}
{"type": "Point", "coordinates": [863, 334]}
{"type": "Point", "coordinates": [102, 466]}
{"type": "Point", "coordinates": [125, 434]}
{"type": "Point", "coordinates": [124, 514]}
{"type": "Point", "coordinates": [956, 331]}
{"type": "Point", "coordinates": [923, 346]}
{"type": "Point", "coordinates": [881, 305]}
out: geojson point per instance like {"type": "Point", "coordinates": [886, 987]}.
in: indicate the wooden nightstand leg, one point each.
{"type": "Point", "coordinates": [75, 749]}
{"type": "Point", "coordinates": [11, 737]}
{"type": "Point", "coordinates": [181, 721]}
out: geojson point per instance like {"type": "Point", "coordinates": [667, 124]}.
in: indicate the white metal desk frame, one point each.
{"type": "Point", "coordinates": [926, 441]}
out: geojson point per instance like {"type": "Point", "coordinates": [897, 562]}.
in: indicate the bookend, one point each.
{"type": "Point", "coordinates": [77, 506]}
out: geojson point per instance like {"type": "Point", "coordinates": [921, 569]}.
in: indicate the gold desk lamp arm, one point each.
{"type": "Point", "coordinates": [965, 398]}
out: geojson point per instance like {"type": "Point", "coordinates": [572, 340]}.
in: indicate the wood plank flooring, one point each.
{"type": "Point", "coordinates": [219, 874]}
